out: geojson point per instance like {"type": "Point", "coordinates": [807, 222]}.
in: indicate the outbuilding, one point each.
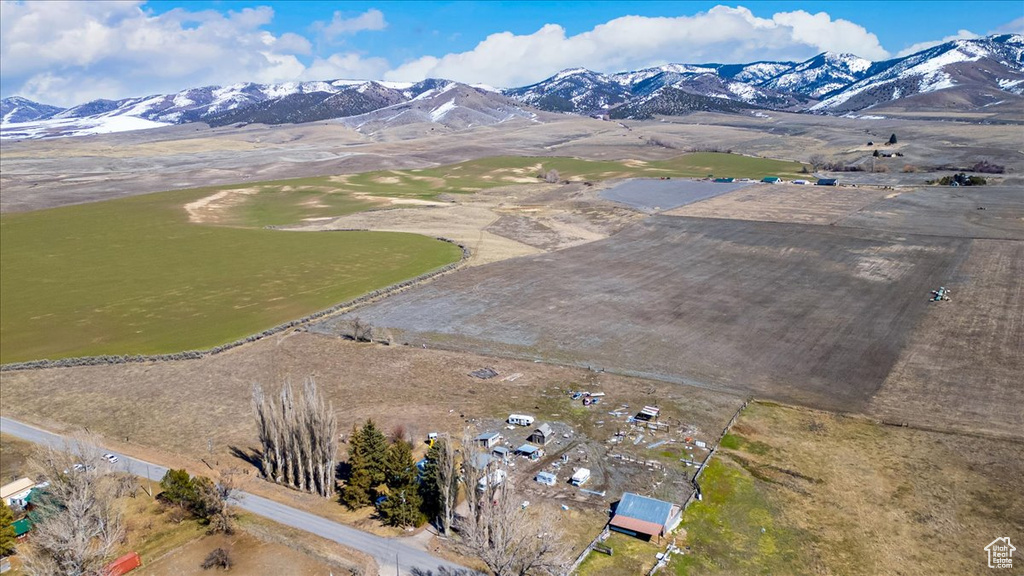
{"type": "Point", "coordinates": [771, 179]}
{"type": "Point", "coordinates": [546, 478]}
{"type": "Point", "coordinates": [488, 439]}
{"type": "Point", "coordinates": [580, 477]}
{"type": "Point", "coordinates": [530, 451]}
{"type": "Point", "coordinates": [827, 182]}
{"type": "Point", "coordinates": [542, 435]}
{"type": "Point", "coordinates": [643, 517]}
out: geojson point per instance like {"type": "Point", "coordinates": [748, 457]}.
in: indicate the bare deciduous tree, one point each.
{"type": "Point", "coordinates": [817, 161]}
{"type": "Point", "coordinates": [551, 177]}
{"type": "Point", "coordinates": [75, 524]}
{"type": "Point", "coordinates": [297, 436]}
{"type": "Point", "coordinates": [447, 483]}
{"type": "Point", "coordinates": [508, 538]}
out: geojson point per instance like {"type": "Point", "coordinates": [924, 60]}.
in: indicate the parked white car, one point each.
{"type": "Point", "coordinates": [110, 458]}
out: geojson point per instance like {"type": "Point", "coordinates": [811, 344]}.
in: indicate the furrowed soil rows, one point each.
{"type": "Point", "coordinates": [811, 314]}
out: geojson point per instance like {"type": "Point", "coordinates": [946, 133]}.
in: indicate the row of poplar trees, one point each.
{"type": "Point", "coordinates": [297, 436]}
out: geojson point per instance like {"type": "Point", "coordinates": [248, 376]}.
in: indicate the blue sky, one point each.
{"type": "Point", "coordinates": [67, 53]}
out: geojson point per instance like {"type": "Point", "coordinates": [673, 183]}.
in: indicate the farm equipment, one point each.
{"type": "Point", "coordinates": [939, 295]}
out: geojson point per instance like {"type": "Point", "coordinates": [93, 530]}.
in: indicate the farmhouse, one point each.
{"type": "Point", "coordinates": [645, 518]}
{"type": "Point", "coordinates": [542, 435]}
{"type": "Point", "coordinates": [16, 493]}
{"type": "Point", "coordinates": [488, 439]}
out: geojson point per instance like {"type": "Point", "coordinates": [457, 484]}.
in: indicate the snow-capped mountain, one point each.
{"type": "Point", "coordinates": [18, 109]}
{"type": "Point", "coordinates": [447, 104]}
{"type": "Point", "coordinates": [821, 75]}
{"type": "Point", "coordinates": [576, 90]}
{"type": "Point", "coordinates": [960, 73]}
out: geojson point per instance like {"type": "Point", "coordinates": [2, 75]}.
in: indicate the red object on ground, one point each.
{"type": "Point", "coordinates": [124, 564]}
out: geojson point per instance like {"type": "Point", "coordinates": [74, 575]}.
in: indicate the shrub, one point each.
{"type": "Point", "coordinates": [218, 558]}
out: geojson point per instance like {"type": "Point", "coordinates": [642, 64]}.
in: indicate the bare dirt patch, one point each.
{"type": "Point", "coordinates": [800, 204]}
{"type": "Point", "coordinates": [210, 210]}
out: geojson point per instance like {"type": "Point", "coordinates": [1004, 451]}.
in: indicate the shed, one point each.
{"type": "Point", "coordinates": [644, 517]}
{"type": "Point", "coordinates": [546, 478]}
{"type": "Point", "coordinates": [22, 527]}
{"type": "Point", "coordinates": [771, 179]}
{"type": "Point", "coordinates": [542, 435]}
{"type": "Point", "coordinates": [724, 180]}
{"type": "Point", "coordinates": [827, 182]}
{"type": "Point", "coordinates": [14, 494]}
{"type": "Point", "coordinates": [493, 479]}
{"type": "Point", "coordinates": [488, 439]}
{"type": "Point", "coordinates": [530, 451]}
{"type": "Point", "coordinates": [501, 453]}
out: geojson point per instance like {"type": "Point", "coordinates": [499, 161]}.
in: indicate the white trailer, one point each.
{"type": "Point", "coordinates": [520, 419]}
{"type": "Point", "coordinates": [580, 476]}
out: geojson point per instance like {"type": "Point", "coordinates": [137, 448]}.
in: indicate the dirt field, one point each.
{"type": "Point", "coordinates": [805, 313]}
{"type": "Point", "coordinates": [14, 455]}
{"type": "Point", "coordinates": [806, 492]}
{"type": "Point", "coordinates": [798, 204]}
{"type": "Point", "coordinates": [963, 365]}
{"type": "Point", "coordinates": [969, 212]}
{"type": "Point", "coordinates": [251, 556]}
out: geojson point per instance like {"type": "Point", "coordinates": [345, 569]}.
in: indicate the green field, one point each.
{"type": "Point", "coordinates": [133, 276]}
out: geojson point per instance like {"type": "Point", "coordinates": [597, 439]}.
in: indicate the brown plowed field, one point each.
{"type": "Point", "coordinates": [810, 314]}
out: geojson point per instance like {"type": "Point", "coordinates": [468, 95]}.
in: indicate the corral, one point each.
{"type": "Point", "coordinates": [805, 313]}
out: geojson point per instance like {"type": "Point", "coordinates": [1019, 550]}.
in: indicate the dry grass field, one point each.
{"type": "Point", "coordinates": [806, 492]}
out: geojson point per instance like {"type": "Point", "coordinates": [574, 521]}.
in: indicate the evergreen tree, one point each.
{"type": "Point", "coordinates": [892, 139]}
{"type": "Point", "coordinates": [178, 488]}
{"type": "Point", "coordinates": [429, 485]}
{"type": "Point", "coordinates": [402, 506]}
{"type": "Point", "coordinates": [374, 452]}
{"type": "Point", "coordinates": [7, 537]}
{"type": "Point", "coordinates": [367, 451]}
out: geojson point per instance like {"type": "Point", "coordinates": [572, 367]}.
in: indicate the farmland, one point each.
{"type": "Point", "coordinates": [809, 492]}
{"type": "Point", "coordinates": [133, 276]}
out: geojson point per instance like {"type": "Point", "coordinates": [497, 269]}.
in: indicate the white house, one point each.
{"type": "Point", "coordinates": [14, 494]}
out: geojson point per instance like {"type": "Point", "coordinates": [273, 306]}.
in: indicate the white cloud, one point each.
{"type": "Point", "coordinates": [372, 19]}
{"type": "Point", "coordinates": [721, 34]}
{"type": "Point", "coordinates": [1012, 27]}
{"type": "Point", "coordinates": [348, 65]}
{"type": "Point", "coordinates": [915, 48]}
{"type": "Point", "coordinates": [70, 52]}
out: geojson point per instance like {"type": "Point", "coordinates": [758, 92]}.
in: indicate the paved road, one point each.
{"type": "Point", "coordinates": [385, 550]}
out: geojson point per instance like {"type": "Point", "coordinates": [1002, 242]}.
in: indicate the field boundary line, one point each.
{"type": "Point", "coordinates": [367, 298]}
